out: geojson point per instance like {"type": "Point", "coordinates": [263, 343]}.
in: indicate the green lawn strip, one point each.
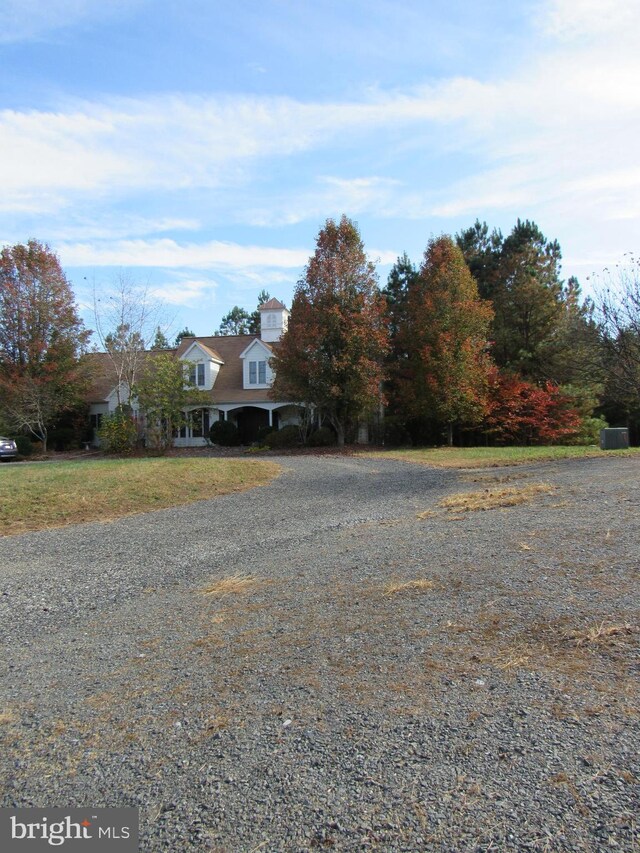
{"type": "Point", "coordinates": [492, 457]}
{"type": "Point", "coordinates": [33, 497]}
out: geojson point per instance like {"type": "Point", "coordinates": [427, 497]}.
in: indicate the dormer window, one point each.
{"type": "Point", "coordinates": [257, 373]}
{"type": "Point", "coordinates": [196, 375]}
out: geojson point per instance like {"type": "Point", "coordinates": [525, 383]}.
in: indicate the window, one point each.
{"type": "Point", "coordinates": [196, 374]}
{"type": "Point", "coordinates": [200, 423]}
{"type": "Point", "coordinates": [96, 421]}
{"type": "Point", "coordinates": [257, 373]}
{"type": "Point", "coordinates": [197, 424]}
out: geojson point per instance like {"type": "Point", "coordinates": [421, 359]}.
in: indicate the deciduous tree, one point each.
{"type": "Point", "coordinates": [163, 394]}
{"type": "Point", "coordinates": [445, 374]}
{"type": "Point", "coordinates": [618, 314]}
{"type": "Point", "coordinates": [331, 356]}
{"type": "Point", "coordinates": [41, 339]}
{"type": "Point", "coordinates": [126, 318]}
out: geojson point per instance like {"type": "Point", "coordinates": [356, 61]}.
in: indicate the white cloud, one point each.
{"type": "Point", "coordinates": [329, 197]}
{"type": "Point", "coordinates": [185, 292]}
{"type": "Point", "coordinates": [180, 142]}
{"type": "Point", "coordinates": [570, 20]}
{"type": "Point", "coordinates": [169, 254]}
{"type": "Point", "coordinates": [112, 226]}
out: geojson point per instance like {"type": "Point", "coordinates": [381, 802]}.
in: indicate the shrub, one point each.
{"type": "Point", "coordinates": [24, 445]}
{"type": "Point", "coordinates": [118, 433]}
{"type": "Point", "coordinates": [288, 436]}
{"type": "Point", "coordinates": [323, 437]}
{"type": "Point", "coordinates": [524, 413]}
{"type": "Point", "coordinates": [263, 432]}
{"type": "Point", "coordinates": [224, 433]}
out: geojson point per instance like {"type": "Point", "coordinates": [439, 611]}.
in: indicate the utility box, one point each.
{"type": "Point", "coordinates": [614, 438]}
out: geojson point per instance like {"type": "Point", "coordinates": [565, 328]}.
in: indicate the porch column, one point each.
{"type": "Point", "coordinates": [270, 417]}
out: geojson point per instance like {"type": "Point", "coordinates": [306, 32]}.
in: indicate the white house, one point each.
{"type": "Point", "coordinates": [232, 370]}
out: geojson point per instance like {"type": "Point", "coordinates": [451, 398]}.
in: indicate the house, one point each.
{"type": "Point", "coordinates": [234, 373]}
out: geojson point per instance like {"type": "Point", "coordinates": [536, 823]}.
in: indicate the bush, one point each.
{"type": "Point", "coordinates": [224, 433]}
{"type": "Point", "coordinates": [288, 436]}
{"type": "Point", "coordinates": [323, 437]}
{"type": "Point", "coordinates": [24, 445]}
{"type": "Point", "coordinates": [118, 433]}
{"type": "Point", "coordinates": [263, 432]}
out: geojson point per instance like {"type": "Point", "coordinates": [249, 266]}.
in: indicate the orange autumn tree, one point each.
{"type": "Point", "coordinates": [331, 356]}
{"type": "Point", "coordinates": [445, 373]}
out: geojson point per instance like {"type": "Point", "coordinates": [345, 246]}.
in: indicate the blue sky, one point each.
{"type": "Point", "coordinates": [197, 146]}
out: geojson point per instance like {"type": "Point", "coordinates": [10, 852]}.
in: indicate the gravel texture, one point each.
{"type": "Point", "coordinates": [491, 704]}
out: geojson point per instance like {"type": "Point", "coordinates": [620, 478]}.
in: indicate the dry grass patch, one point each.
{"type": "Point", "coordinates": [232, 585]}
{"type": "Point", "coordinates": [44, 495]}
{"type": "Point", "coordinates": [512, 658]}
{"type": "Point", "coordinates": [417, 585]}
{"type": "Point", "coordinates": [7, 717]}
{"type": "Point", "coordinates": [495, 498]}
{"type": "Point", "coordinates": [601, 634]}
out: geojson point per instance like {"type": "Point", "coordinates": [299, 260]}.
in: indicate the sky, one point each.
{"type": "Point", "coordinates": [196, 147]}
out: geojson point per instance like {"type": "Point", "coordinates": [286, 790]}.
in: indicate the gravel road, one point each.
{"type": "Point", "coordinates": [392, 676]}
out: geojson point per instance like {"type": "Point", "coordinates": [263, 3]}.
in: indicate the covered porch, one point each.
{"type": "Point", "coordinates": [251, 419]}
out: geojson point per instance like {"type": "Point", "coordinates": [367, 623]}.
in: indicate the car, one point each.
{"type": "Point", "coordinates": [8, 448]}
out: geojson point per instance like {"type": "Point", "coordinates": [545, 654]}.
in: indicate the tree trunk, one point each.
{"type": "Point", "coordinates": [450, 434]}
{"type": "Point", "coordinates": [340, 434]}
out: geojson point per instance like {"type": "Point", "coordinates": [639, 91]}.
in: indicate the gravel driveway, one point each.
{"type": "Point", "coordinates": [383, 681]}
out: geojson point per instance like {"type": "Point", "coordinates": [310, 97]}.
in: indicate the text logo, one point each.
{"type": "Point", "coordinates": [103, 830]}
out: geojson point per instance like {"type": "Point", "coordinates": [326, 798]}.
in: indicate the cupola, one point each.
{"type": "Point", "coordinates": [274, 318]}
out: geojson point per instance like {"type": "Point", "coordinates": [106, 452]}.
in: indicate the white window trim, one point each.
{"type": "Point", "coordinates": [257, 365]}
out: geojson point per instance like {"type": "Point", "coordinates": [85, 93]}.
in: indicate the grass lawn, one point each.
{"type": "Point", "coordinates": [34, 497]}
{"type": "Point", "coordinates": [492, 457]}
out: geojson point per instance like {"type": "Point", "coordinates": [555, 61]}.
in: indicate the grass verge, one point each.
{"type": "Point", "coordinates": [493, 457]}
{"type": "Point", "coordinates": [36, 497]}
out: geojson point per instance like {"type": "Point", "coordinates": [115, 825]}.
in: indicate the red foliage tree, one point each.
{"type": "Point", "coordinates": [523, 413]}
